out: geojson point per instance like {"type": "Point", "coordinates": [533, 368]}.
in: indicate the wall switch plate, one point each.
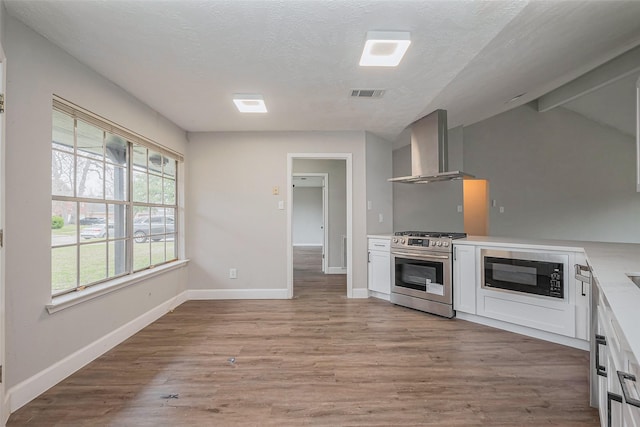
{"type": "Point", "coordinates": [494, 203]}
{"type": "Point", "coordinates": [233, 273]}
{"type": "Point", "coordinates": [369, 205]}
{"type": "Point", "coordinates": [280, 204]}
{"type": "Point", "coordinates": [459, 208]}
{"type": "Point", "coordinates": [380, 218]}
{"type": "Point", "coordinates": [276, 190]}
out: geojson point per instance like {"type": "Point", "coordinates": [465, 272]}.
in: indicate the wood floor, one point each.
{"type": "Point", "coordinates": [320, 360]}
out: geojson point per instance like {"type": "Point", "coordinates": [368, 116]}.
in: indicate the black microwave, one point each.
{"type": "Point", "coordinates": [531, 273]}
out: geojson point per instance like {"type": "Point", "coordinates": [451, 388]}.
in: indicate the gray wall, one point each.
{"type": "Point", "coordinates": [306, 222]}
{"type": "Point", "coordinates": [557, 174]}
{"type": "Point", "coordinates": [337, 194]}
{"type": "Point", "coordinates": [379, 189]}
{"type": "Point", "coordinates": [234, 220]}
{"type": "Point", "coordinates": [36, 340]}
{"type": "Point", "coordinates": [424, 207]}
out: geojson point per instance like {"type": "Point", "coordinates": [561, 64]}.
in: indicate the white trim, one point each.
{"type": "Point", "coordinates": [360, 293]}
{"type": "Point", "coordinates": [315, 245]}
{"type": "Point", "coordinates": [379, 295]}
{"type": "Point", "coordinates": [348, 158]}
{"type": "Point", "coordinates": [336, 270]}
{"type": "Point", "coordinates": [215, 294]}
{"type": "Point", "coordinates": [73, 298]}
{"type": "Point", "coordinates": [32, 387]}
{"type": "Point", "coordinates": [523, 330]}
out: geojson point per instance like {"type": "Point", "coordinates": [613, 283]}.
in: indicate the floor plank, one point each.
{"type": "Point", "coordinates": [320, 359]}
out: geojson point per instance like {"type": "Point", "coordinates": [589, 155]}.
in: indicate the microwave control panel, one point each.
{"type": "Point", "coordinates": [555, 284]}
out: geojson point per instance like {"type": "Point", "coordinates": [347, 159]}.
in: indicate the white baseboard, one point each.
{"type": "Point", "coordinates": [6, 409]}
{"type": "Point", "coordinates": [360, 293]}
{"type": "Point", "coordinates": [336, 270]}
{"type": "Point", "coordinates": [314, 245]}
{"type": "Point", "coordinates": [380, 295]}
{"type": "Point", "coordinates": [22, 393]}
{"type": "Point", "coordinates": [204, 294]}
{"type": "Point", "coordinates": [523, 330]}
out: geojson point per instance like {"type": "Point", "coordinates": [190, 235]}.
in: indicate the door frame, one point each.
{"type": "Point", "coordinates": [348, 158]}
{"type": "Point", "coordinates": [325, 213]}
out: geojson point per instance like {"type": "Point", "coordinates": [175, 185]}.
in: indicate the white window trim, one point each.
{"type": "Point", "coordinates": [71, 299]}
{"type": "Point", "coordinates": [65, 300]}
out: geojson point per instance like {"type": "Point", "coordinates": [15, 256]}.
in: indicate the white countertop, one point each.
{"type": "Point", "coordinates": [609, 263]}
{"type": "Point", "coordinates": [379, 236]}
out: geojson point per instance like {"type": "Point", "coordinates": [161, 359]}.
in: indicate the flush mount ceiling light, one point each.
{"type": "Point", "coordinates": [385, 48]}
{"type": "Point", "coordinates": [249, 103]}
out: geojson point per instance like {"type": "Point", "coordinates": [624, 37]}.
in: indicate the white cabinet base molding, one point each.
{"type": "Point", "coordinates": [523, 330]}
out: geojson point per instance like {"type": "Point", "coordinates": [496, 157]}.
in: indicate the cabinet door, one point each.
{"type": "Point", "coordinates": [464, 278]}
{"type": "Point", "coordinates": [582, 298]}
{"type": "Point", "coordinates": [380, 272]}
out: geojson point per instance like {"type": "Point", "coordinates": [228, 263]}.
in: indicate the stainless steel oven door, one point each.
{"type": "Point", "coordinates": [426, 276]}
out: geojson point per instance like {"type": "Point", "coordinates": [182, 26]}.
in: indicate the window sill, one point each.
{"type": "Point", "coordinates": [69, 300]}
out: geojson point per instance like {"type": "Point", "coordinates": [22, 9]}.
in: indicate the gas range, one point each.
{"type": "Point", "coordinates": [432, 241]}
{"type": "Point", "coordinates": [422, 271]}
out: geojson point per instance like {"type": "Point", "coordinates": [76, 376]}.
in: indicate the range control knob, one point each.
{"type": "Point", "coordinates": [439, 243]}
{"type": "Point", "coordinates": [395, 240]}
{"type": "Point", "coordinates": [445, 244]}
{"type": "Point", "coordinates": [401, 240]}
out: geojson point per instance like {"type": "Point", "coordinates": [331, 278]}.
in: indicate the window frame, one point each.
{"type": "Point", "coordinates": [131, 140]}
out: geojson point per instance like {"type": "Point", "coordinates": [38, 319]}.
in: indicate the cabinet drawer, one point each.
{"type": "Point", "coordinates": [379, 244]}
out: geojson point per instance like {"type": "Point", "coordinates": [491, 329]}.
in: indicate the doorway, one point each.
{"type": "Point", "coordinates": [337, 244]}
{"type": "Point", "coordinates": [310, 218]}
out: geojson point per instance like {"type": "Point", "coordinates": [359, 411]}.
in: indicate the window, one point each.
{"type": "Point", "coordinates": [114, 201]}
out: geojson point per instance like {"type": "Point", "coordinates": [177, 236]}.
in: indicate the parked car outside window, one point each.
{"type": "Point", "coordinates": [153, 227]}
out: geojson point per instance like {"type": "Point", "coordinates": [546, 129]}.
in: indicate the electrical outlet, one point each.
{"type": "Point", "coordinates": [369, 205]}
{"type": "Point", "coordinates": [233, 273]}
{"type": "Point", "coordinates": [281, 204]}
{"type": "Point", "coordinates": [501, 209]}
{"type": "Point", "coordinates": [380, 218]}
{"type": "Point", "coordinates": [459, 208]}
{"type": "Point", "coordinates": [276, 190]}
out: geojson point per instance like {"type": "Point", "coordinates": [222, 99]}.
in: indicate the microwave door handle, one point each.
{"type": "Point", "coordinates": [421, 255]}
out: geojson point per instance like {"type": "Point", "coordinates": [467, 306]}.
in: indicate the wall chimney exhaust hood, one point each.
{"type": "Point", "coordinates": [429, 151]}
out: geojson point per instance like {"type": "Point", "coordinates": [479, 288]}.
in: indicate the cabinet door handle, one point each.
{"type": "Point", "coordinates": [583, 294]}
{"type": "Point", "coordinates": [627, 397]}
{"type": "Point", "coordinates": [368, 256]}
{"type": "Point", "coordinates": [610, 397]}
{"type": "Point", "coordinates": [600, 370]}
{"type": "Point", "coordinates": [578, 273]}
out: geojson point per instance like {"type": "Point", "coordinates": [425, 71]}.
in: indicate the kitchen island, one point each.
{"type": "Point", "coordinates": [614, 310]}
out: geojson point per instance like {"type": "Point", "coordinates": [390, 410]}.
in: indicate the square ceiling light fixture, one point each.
{"type": "Point", "coordinates": [385, 48]}
{"type": "Point", "coordinates": [249, 103]}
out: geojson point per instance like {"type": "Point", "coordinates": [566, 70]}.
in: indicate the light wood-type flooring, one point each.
{"type": "Point", "coordinates": [320, 359]}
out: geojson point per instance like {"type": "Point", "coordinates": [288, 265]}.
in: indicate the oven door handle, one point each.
{"type": "Point", "coordinates": [421, 255]}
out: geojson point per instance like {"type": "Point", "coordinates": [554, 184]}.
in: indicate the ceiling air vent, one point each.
{"type": "Point", "coordinates": [367, 93]}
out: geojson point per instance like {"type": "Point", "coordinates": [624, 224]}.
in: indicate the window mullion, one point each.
{"type": "Point", "coordinates": [129, 208]}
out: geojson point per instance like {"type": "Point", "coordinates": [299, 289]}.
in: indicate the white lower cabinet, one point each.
{"type": "Point", "coordinates": [379, 268]}
{"type": "Point", "coordinates": [582, 297]}
{"type": "Point", "coordinates": [617, 373]}
{"type": "Point", "coordinates": [464, 278]}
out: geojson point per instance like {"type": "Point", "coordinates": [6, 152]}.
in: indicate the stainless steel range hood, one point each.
{"type": "Point", "coordinates": [429, 155]}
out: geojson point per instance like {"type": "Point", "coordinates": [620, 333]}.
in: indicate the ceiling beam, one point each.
{"type": "Point", "coordinates": [616, 69]}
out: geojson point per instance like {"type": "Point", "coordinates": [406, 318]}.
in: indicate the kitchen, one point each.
{"type": "Point", "coordinates": [258, 248]}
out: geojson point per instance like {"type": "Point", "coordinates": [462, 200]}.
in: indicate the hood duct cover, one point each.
{"type": "Point", "coordinates": [429, 151]}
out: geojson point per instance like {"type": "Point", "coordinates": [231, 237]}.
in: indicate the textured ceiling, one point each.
{"type": "Point", "coordinates": [187, 58]}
